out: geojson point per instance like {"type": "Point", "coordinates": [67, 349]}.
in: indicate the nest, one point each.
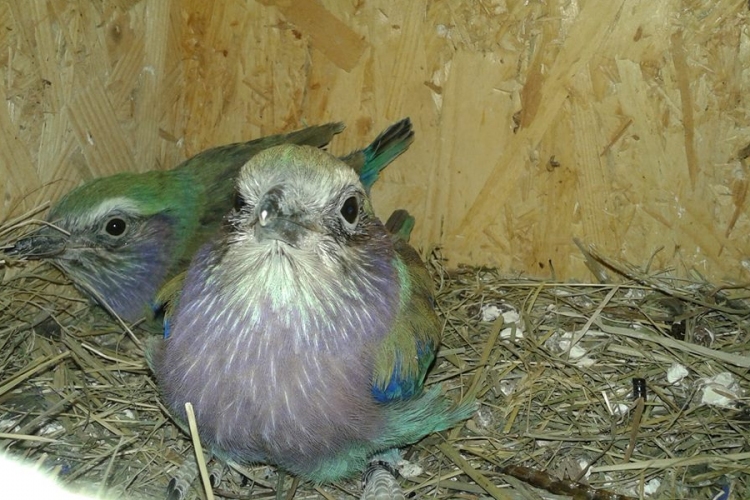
{"type": "Point", "coordinates": [633, 388]}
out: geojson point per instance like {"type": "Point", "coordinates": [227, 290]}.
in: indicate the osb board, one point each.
{"type": "Point", "coordinates": [618, 122]}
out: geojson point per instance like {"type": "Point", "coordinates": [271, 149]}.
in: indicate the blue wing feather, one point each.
{"type": "Point", "coordinates": [404, 384]}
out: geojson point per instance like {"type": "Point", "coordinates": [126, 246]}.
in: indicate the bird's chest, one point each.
{"type": "Point", "coordinates": [279, 368]}
{"type": "Point", "coordinates": [318, 391]}
{"type": "Point", "coordinates": [277, 383]}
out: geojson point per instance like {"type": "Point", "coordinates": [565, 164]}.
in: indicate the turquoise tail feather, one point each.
{"type": "Point", "coordinates": [369, 162]}
{"type": "Point", "coordinates": [412, 419]}
{"type": "Point", "coordinates": [407, 422]}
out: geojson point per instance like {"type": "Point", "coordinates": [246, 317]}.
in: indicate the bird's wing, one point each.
{"type": "Point", "coordinates": [224, 161]}
{"type": "Point", "coordinates": [407, 352]}
{"type": "Point", "coordinates": [167, 298]}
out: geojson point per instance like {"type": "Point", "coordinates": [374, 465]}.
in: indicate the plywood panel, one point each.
{"type": "Point", "coordinates": [620, 123]}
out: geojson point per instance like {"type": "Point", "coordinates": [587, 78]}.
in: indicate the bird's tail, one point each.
{"type": "Point", "coordinates": [410, 420]}
{"type": "Point", "coordinates": [369, 162]}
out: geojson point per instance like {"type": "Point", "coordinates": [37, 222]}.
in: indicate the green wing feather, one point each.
{"type": "Point", "coordinates": [406, 354]}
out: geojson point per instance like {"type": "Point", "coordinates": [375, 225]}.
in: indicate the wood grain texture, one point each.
{"type": "Point", "coordinates": [624, 124]}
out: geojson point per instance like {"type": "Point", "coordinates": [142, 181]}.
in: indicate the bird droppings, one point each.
{"type": "Point", "coordinates": [539, 409]}
{"type": "Point", "coordinates": [676, 373]}
{"type": "Point", "coordinates": [490, 313]}
{"type": "Point", "coordinates": [561, 343]}
{"type": "Point", "coordinates": [721, 390]}
{"type": "Point", "coordinates": [409, 470]}
{"type": "Point", "coordinates": [651, 487]}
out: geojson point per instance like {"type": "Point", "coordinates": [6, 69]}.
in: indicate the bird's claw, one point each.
{"type": "Point", "coordinates": [215, 475]}
{"type": "Point", "coordinates": [184, 476]}
{"type": "Point", "coordinates": [375, 466]}
{"type": "Point", "coordinates": [177, 488]}
{"type": "Point", "coordinates": [379, 482]}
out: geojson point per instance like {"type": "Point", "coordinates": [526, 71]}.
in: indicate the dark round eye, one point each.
{"type": "Point", "coordinates": [115, 226]}
{"type": "Point", "coordinates": [350, 209]}
{"type": "Point", "coordinates": [239, 201]}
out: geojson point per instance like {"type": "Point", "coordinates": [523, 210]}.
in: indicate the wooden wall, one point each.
{"type": "Point", "coordinates": [622, 123]}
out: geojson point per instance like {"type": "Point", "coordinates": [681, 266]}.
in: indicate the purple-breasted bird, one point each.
{"type": "Point", "coordinates": [126, 235]}
{"type": "Point", "coordinates": [303, 334]}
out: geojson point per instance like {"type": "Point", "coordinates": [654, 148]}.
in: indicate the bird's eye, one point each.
{"type": "Point", "coordinates": [239, 201]}
{"type": "Point", "coordinates": [350, 209]}
{"type": "Point", "coordinates": [115, 226]}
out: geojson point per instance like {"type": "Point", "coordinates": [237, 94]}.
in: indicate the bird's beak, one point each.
{"type": "Point", "coordinates": [273, 223]}
{"type": "Point", "coordinates": [46, 242]}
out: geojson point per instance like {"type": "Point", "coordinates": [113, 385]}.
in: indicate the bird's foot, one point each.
{"type": "Point", "coordinates": [185, 475]}
{"type": "Point", "coordinates": [177, 488]}
{"type": "Point", "coordinates": [379, 482]}
{"type": "Point", "coordinates": [215, 474]}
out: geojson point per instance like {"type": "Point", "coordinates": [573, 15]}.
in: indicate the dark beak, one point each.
{"type": "Point", "coordinates": [273, 224]}
{"type": "Point", "coordinates": [42, 244]}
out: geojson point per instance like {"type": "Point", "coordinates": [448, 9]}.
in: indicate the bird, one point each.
{"type": "Point", "coordinates": [302, 334]}
{"type": "Point", "coordinates": [121, 238]}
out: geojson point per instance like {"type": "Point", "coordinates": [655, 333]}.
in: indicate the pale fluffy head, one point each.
{"type": "Point", "coordinates": [332, 254]}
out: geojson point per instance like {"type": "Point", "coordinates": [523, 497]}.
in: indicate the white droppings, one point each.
{"type": "Point", "coordinates": [512, 316]}
{"type": "Point", "coordinates": [651, 486]}
{"type": "Point", "coordinates": [511, 319]}
{"type": "Point", "coordinates": [408, 469]}
{"type": "Point", "coordinates": [583, 464]}
{"type": "Point", "coordinates": [679, 209]}
{"type": "Point", "coordinates": [560, 343]}
{"type": "Point", "coordinates": [676, 373]}
{"type": "Point", "coordinates": [51, 428]}
{"type": "Point", "coordinates": [511, 332]}
{"type": "Point", "coordinates": [618, 410]}
{"type": "Point", "coordinates": [721, 390]}
{"type": "Point", "coordinates": [635, 294]}
{"type": "Point", "coordinates": [507, 387]}
{"type": "Point", "coordinates": [484, 418]}
{"type": "Point", "coordinates": [490, 312]}
{"type": "Point", "coordinates": [9, 425]}
{"type": "Point", "coordinates": [586, 362]}
{"type": "Point", "coordinates": [621, 409]}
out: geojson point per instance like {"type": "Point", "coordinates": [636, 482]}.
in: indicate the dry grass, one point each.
{"type": "Point", "coordinates": [552, 364]}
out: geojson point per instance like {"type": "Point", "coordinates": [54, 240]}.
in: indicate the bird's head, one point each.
{"type": "Point", "coordinates": [304, 202]}
{"type": "Point", "coordinates": [114, 238]}
{"type": "Point", "coordinates": [303, 223]}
